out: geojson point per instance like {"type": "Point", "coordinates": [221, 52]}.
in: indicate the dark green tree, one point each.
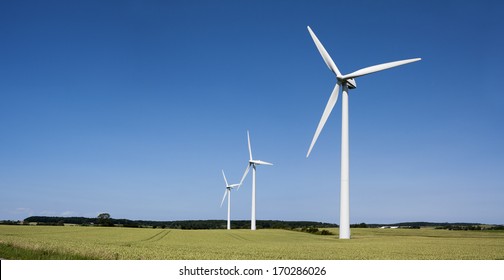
{"type": "Point", "coordinates": [104, 219]}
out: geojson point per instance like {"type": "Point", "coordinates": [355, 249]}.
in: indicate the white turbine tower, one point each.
{"type": "Point", "coordinates": [346, 82]}
{"type": "Point", "coordinates": [228, 193]}
{"type": "Point", "coordinates": [252, 163]}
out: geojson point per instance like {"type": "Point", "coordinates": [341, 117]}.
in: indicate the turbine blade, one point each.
{"type": "Point", "coordinates": [224, 197]}
{"type": "Point", "coordinates": [379, 67]}
{"type": "Point", "coordinates": [325, 55]}
{"type": "Point", "coordinates": [225, 180]}
{"type": "Point", "coordinates": [327, 111]}
{"type": "Point", "coordinates": [243, 177]}
{"type": "Point", "coordinates": [250, 149]}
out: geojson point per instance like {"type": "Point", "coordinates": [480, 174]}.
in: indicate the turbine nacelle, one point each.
{"type": "Point", "coordinates": [351, 83]}
{"type": "Point", "coordinates": [259, 162]}
{"type": "Point", "coordinates": [233, 186]}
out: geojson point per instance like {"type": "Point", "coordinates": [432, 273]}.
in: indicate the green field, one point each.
{"type": "Point", "coordinates": [75, 242]}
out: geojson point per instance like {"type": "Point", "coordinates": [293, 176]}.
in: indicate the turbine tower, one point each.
{"type": "Point", "coordinates": [252, 163]}
{"type": "Point", "coordinates": [228, 193]}
{"type": "Point", "coordinates": [346, 82]}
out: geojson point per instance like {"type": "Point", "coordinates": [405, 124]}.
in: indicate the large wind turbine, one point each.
{"type": "Point", "coordinates": [228, 193]}
{"type": "Point", "coordinates": [346, 82]}
{"type": "Point", "coordinates": [253, 163]}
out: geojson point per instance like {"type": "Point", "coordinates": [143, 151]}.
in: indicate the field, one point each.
{"type": "Point", "coordinates": [75, 242]}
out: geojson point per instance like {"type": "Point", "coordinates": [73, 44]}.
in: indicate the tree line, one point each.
{"type": "Point", "coordinates": [104, 219]}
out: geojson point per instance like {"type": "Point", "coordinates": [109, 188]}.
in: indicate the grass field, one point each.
{"type": "Point", "coordinates": [43, 242]}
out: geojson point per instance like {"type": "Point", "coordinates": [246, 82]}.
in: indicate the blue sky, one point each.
{"type": "Point", "coordinates": [134, 107]}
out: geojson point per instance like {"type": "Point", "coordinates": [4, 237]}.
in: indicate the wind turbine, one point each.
{"type": "Point", "coordinates": [346, 82]}
{"type": "Point", "coordinates": [253, 163]}
{"type": "Point", "coordinates": [228, 193]}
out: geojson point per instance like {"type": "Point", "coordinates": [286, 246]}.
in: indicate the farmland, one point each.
{"type": "Point", "coordinates": [165, 244]}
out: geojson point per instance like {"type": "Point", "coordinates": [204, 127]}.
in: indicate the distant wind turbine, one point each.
{"type": "Point", "coordinates": [346, 82]}
{"type": "Point", "coordinates": [252, 163]}
{"type": "Point", "coordinates": [228, 193]}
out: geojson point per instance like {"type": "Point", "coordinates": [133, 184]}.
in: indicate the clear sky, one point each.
{"type": "Point", "coordinates": [134, 107]}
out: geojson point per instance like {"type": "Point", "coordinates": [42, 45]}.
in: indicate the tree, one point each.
{"type": "Point", "coordinates": [104, 219]}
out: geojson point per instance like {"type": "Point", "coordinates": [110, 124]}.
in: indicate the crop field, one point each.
{"type": "Point", "coordinates": [165, 244]}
